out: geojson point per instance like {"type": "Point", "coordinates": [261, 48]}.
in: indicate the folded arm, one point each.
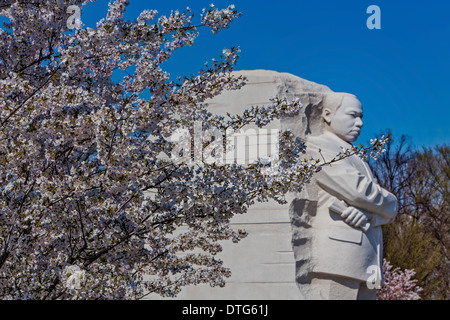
{"type": "Point", "coordinates": [346, 183]}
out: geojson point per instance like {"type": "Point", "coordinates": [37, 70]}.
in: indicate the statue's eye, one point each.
{"type": "Point", "coordinates": [356, 115]}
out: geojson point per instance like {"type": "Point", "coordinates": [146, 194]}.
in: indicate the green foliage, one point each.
{"type": "Point", "coordinates": [419, 238]}
{"type": "Point", "coordinates": [408, 247]}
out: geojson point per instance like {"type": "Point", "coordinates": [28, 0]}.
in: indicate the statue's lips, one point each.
{"type": "Point", "coordinates": [355, 131]}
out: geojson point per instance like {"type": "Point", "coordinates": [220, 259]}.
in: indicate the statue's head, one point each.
{"type": "Point", "coordinates": [342, 115]}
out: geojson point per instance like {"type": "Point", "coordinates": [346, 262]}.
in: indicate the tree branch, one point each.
{"type": "Point", "coordinates": [30, 96]}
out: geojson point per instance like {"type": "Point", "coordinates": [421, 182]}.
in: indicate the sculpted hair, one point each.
{"type": "Point", "coordinates": [333, 100]}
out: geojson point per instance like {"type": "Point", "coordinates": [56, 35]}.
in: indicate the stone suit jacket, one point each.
{"type": "Point", "coordinates": [337, 248]}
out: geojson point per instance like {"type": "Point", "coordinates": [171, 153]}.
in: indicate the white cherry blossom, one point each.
{"type": "Point", "coordinates": [86, 178]}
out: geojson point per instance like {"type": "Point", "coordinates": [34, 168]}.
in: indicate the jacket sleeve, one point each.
{"type": "Point", "coordinates": [345, 182]}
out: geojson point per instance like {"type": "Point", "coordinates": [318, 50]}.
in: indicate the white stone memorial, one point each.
{"type": "Point", "coordinates": [321, 244]}
{"type": "Point", "coordinates": [337, 218]}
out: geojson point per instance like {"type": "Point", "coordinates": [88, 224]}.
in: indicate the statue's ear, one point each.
{"type": "Point", "coordinates": [326, 115]}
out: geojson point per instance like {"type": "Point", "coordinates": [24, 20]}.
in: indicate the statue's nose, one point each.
{"type": "Point", "coordinates": [359, 122]}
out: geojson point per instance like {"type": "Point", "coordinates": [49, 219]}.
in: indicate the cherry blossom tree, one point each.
{"type": "Point", "coordinates": [91, 204]}
{"type": "Point", "coordinates": [399, 285]}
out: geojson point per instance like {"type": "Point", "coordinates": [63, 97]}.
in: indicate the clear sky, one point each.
{"type": "Point", "coordinates": [401, 73]}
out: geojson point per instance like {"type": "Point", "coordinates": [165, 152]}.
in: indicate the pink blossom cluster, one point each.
{"type": "Point", "coordinates": [398, 284]}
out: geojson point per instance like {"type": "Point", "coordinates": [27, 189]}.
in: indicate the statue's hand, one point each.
{"type": "Point", "coordinates": [354, 217]}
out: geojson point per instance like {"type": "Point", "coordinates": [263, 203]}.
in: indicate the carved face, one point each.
{"type": "Point", "coordinates": [346, 121]}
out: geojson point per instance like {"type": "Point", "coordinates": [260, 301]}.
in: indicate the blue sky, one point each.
{"type": "Point", "coordinates": [400, 73]}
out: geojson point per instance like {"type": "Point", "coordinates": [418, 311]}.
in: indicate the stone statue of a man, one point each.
{"type": "Point", "coordinates": [337, 238]}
